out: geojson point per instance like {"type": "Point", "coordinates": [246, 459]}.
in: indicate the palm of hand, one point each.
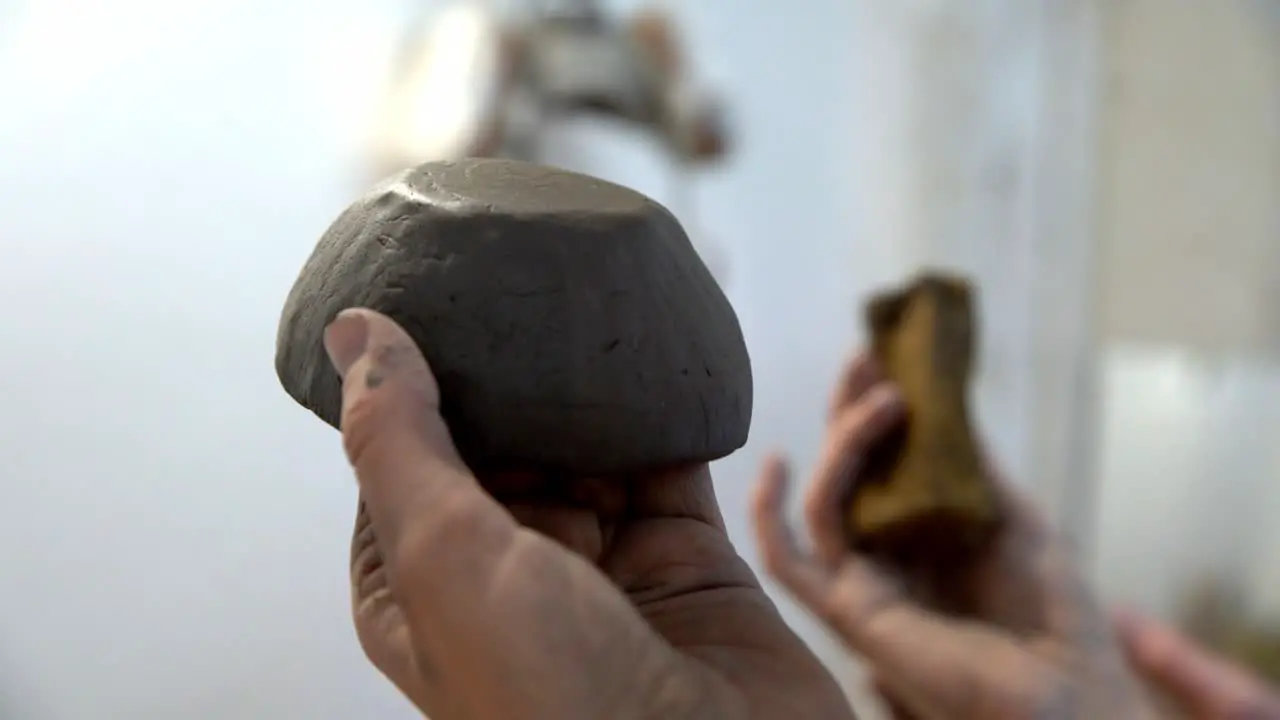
{"type": "Point", "coordinates": [661, 542]}
{"type": "Point", "coordinates": [1011, 633]}
{"type": "Point", "coordinates": [1042, 644]}
{"type": "Point", "coordinates": [1023, 609]}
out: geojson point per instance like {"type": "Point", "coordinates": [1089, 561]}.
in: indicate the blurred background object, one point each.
{"type": "Point", "coordinates": [175, 526]}
{"type": "Point", "coordinates": [1216, 611]}
{"type": "Point", "coordinates": [476, 81]}
{"type": "Point", "coordinates": [479, 78]}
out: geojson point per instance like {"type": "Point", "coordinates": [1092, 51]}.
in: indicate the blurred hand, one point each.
{"type": "Point", "coordinates": [1023, 636]}
{"type": "Point", "coordinates": [619, 599]}
{"type": "Point", "coordinates": [1201, 684]}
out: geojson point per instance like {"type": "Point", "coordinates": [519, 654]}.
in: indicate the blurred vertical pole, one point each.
{"type": "Point", "coordinates": [885, 176]}
{"type": "Point", "coordinates": [1065, 285]}
{"type": "Point", "coordinates": [977, 156]}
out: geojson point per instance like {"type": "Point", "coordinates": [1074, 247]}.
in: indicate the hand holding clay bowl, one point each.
{"type": "Point", "coordinates": [536, 515]}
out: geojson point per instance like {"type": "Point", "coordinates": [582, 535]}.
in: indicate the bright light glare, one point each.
{"type": "Point", "coordinates": [441, 102]}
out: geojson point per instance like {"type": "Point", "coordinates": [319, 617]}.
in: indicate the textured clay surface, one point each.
{"type": "Point", "coordinates": [570, 323]}
{"type": "Point", "coordinates": [926, 490]}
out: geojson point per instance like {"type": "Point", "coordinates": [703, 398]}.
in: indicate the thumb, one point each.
{"type": "Point", "coordinates": [439, 534]}
{"type": "Point", "coordinates": [1203, 683]}
{"type": "Point", "coordinates": [504, 622]}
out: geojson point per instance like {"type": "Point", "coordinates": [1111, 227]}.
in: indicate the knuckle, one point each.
{"type": "Point", "coordinates": [452, 523]}
{"type": "Point", "coordinates": [366, 558]}
{"type": "Point", "coordinates": [846, 603]}
{"type": "Point", "coordinates": [360, 425]}
{"type": "Point", "coordinates": [852, 426]}
{"type": "Point", "coordinates": [407, 563]}
{"type": "Point", "coordinates": [406, 397]}
{"type": "Point", "coordinates": [857, 603]}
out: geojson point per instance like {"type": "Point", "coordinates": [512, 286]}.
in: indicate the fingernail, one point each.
{"type": "Point", "coordinates": [345, 340]}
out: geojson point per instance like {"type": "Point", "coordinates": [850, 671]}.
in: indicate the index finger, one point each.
{"type": "Point", "coordinates": [856, 377]}
{"type": "Point", "coordinates": [1196, 678]}
{"type": "Point", "coordinates": [423, 501]}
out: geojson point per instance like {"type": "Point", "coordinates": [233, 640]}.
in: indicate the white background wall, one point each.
{"type": "Point", "coordinates": [1189, 229]}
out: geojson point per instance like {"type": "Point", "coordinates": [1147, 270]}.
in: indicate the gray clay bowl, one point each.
{"type": "Point", "coordinates": [569, 322]}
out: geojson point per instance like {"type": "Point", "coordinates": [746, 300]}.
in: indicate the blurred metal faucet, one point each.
{"type": "Point", "coordinates": [582, 10]}
{"type": "Point", "coordinates": [475, 81]}
{"type": "Point", "coordinates": [478, 80]}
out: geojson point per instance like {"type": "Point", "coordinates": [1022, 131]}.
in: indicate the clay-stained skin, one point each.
{"type": "Point", "coordinates": [569, 322]}
{"type": "Point", "coordinates": [925, 491]}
